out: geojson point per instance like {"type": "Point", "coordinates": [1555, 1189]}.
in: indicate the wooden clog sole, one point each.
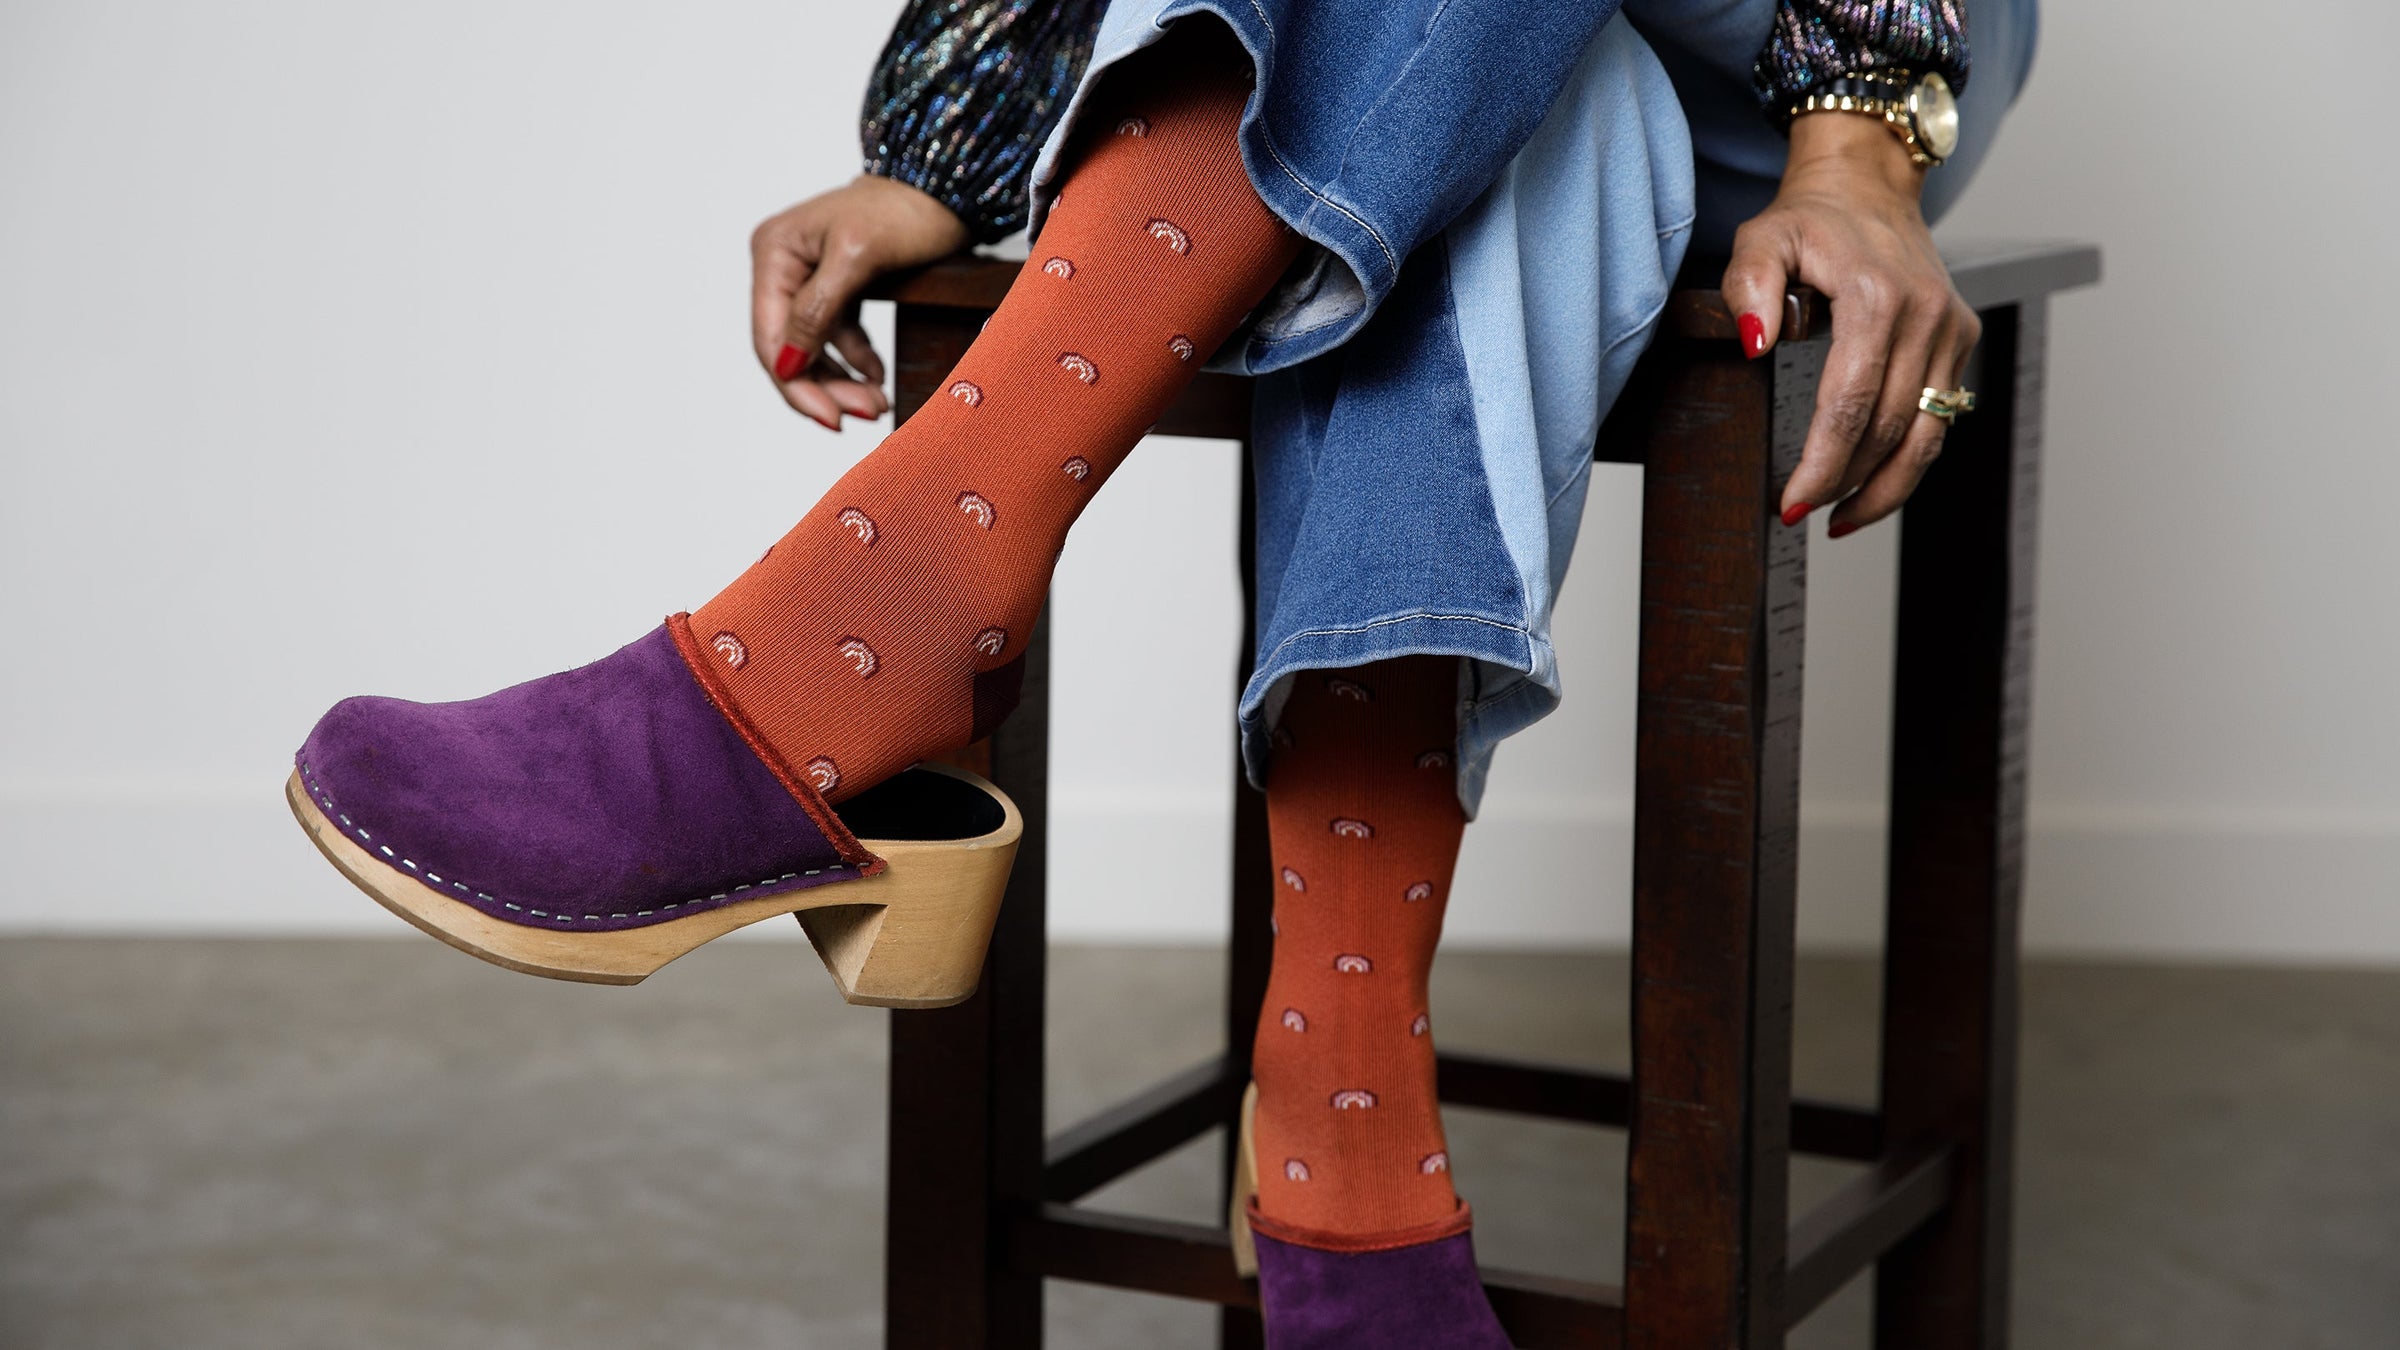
{"type": "Point", "coordinates": [912, 936]}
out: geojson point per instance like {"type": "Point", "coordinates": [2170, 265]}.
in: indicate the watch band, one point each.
{"type": "Point", "coordinates": [1879, 92]}
{"type": "Point", "coordinates": [1878, 82]}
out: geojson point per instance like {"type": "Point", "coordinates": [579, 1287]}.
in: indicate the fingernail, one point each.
{"type": "Point", "coordinates": [1840, 528]}
{"type": "Point", "coordinates": [1754, 335]}
{"type": "Point", "coordinates": [1797, 512]}
{"type": "Point", "coordinates": [789, 361]}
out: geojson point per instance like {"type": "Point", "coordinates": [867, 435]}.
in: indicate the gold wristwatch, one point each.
{"type": "Point", "coordinates": [1919, 109]}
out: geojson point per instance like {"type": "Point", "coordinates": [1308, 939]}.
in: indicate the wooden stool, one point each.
{"type": "Point", "coordinates": [981, 1204]}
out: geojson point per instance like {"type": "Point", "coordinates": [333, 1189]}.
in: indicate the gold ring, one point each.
{"type": "Point", "coordinates": [1946, 403]}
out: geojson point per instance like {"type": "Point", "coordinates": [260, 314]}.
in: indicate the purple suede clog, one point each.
{"type": "Point", "coordinates": [1418, 1296]}
{"type": "Point", "coordinates": [1414, 1290]}
{"type": "Point", "coordinates": [596, 824]}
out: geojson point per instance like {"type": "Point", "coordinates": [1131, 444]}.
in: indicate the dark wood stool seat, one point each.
{"type": "Point", "coordinates": [982, 1205]}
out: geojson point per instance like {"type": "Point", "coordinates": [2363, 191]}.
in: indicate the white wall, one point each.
{"type": "Point", "coordinates": [402, 349]}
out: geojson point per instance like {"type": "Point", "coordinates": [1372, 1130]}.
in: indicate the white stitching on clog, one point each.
{"type": "Point", "coordinates": [325, 799]}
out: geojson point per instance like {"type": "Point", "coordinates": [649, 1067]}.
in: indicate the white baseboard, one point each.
{"type": "Point", "coordinates": [2137, 885]}
{"type": "Point", "coordinates": [1126, 868]}
{"type": "Point", "coordinates": [178, 859]}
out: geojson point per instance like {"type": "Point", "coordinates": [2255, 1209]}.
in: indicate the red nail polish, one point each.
{"type": "Point", "coordinates": [789, 361]}
{"type": "Point", "coordinates": [1840, 528]}
{"type": "Point", "coordinates": [1754, 335]}
{"type": "Point", "coordinates": [1797, 512]}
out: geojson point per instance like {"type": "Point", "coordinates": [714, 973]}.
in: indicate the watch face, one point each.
{"type": "Point", "coordinates": [1936, 115]}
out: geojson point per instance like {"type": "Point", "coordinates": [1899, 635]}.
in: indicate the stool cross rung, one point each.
{"type": "Point", "coordinates": [1176, 1110]}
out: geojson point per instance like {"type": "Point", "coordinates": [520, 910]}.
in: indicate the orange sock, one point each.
{"type": "Point", "coordinates": [886, 626]}
{"type": "Point", "coordinates": [1364, 822]}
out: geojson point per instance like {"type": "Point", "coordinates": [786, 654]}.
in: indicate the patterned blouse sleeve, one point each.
{"type": "Point", "coordinates": [965, 94]}
{"type": "Point", "coordinates": [1816, 40]}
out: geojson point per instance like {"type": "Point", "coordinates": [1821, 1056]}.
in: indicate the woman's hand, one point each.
{"type": "Point", "coordinates": [1846, 222]}
{"type": "Point", "coordinates": [807, 267]}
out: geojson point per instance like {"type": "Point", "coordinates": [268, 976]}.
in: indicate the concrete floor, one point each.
{"type": "Point", "coordinates": [278, 1145]}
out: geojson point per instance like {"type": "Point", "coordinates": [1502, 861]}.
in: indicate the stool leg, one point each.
{"type": "Point", "coordinates": [1251, 947]}
{"type": "Point", "coordinates": [965, 1132]}
{"type": "Point", "coordinates": [1716, 800]}
{"type": "Point", "coordinates": [1961, 702]}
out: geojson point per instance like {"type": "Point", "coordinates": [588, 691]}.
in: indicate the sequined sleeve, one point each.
{"type": "Point", "coordinates": [1815, 40]}
{"type": "Point", "coordinates": [964, 95]}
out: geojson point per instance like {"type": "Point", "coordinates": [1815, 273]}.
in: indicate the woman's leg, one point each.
{"type": "Point", "coordinates": [1360, 1239]}
{"type": "Point", "coordinates": [1364, 823]}
{"type": "Point", "coordinates": [1419, 493]}
{"type": "Point", "coordinates": [688, 780]}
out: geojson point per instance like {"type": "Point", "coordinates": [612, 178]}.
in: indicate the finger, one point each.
{"type": "Point", "coordinates": [1897, 477]}
{"type": "Point", "coordinates": [1890, 485]}
{"type": "Point", "coordinates": [1908, 369]}
{"type": "Point", "coordinates": [810, 400]}
{"type": "Point", "coordinates": [776, 273]}
{"type": "Point", "coordinates": [1847, 395]}
{"type": "Point", "coordinates": [858, 400]}
{"type": "Point", "coordinates": [858, 351]}
{"type": "Point", "coordinates": [1754, 284]}
{"type": "Point", "coordinates": [851, 341]}
{"type": "Point", "coordinates": [823, 302]}
{"type": "Point", "coordinates": [850, 395]}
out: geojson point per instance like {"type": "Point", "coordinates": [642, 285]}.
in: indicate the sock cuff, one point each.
{"type": "Point", "coordinates": [1322, 1240]}
{"type": "Point", "coordinates": [820, 811]}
